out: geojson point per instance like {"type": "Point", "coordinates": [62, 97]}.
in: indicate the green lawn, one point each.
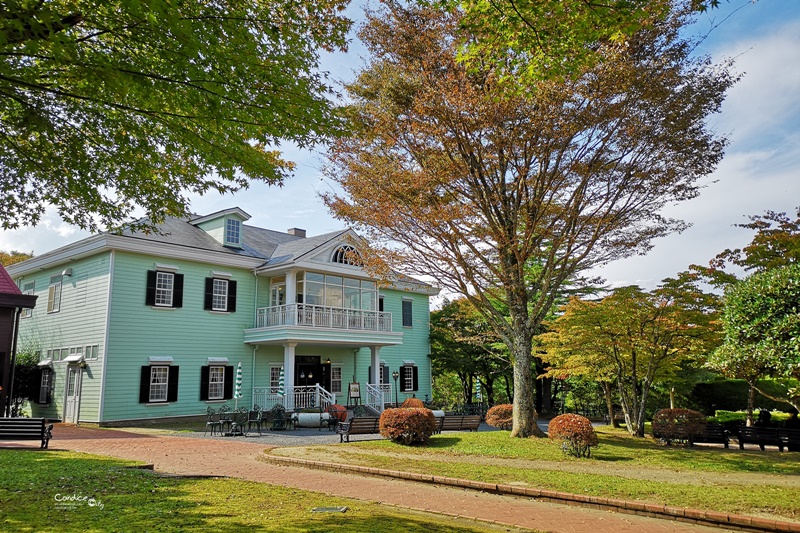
{"type": "Point", "coordinates": [733, 481]}
{"type": "Point", "coordinates": [71, 492]}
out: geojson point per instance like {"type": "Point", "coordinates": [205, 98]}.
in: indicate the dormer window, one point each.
{"type": "Point", "coordinates": [346, 255]}
{"type": "Point", "coordinates": [233, 232]}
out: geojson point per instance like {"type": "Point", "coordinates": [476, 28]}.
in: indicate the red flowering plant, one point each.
{"type": "Point", "coordinates": [678, 425]}
{"type": "Point", "coordinates": [501, 416]}
{"type": "Point", "coordinates": [575, 432]}
{"type": "Point", "coordinates": [407, 425]}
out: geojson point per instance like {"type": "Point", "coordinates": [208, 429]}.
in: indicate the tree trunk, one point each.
{"type": "Point", "coordinates": [672, 397]}
{"type": "Point", "coordinates": [524, 412]}
{"type": "Point", "coordinates": [751, 403]}
{"type": "Point", "coordinates": [607, 392]}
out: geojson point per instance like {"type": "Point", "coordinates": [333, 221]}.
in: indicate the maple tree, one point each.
{"type": "Point", "coordinates": [13, 256]}
{"type": "Point", "coordinates": [508, 195]}
{"type": "Point", "coordinates": [634, 338]}
{"type": "Point", "coordinates": [107, 106]}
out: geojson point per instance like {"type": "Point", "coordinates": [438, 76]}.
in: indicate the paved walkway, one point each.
{"type": "Point", "coordinates": [239, 459]}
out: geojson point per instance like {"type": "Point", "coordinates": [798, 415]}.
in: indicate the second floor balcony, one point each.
{"type": "Point", "coordinates": [320, 316]}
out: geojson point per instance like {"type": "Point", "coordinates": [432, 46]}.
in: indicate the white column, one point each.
{"type": "Point", "coordinates": [375, 376]}
{"type": "Point", "coordinates": [291, 287]}
{"type": "Point", "coordinates": [288, 374]}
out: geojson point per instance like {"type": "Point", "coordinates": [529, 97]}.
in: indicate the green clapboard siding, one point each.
{"type": "Point", "coordinates": [188, 334]}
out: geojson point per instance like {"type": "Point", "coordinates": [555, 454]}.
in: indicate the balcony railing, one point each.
{"type": "Point", "coordinates": [320, 316]}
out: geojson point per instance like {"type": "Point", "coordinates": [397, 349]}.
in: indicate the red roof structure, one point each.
{"type": "Point", "coordinates": [12, 301]}
{"type": "Point", "coordinates": [7, 285]}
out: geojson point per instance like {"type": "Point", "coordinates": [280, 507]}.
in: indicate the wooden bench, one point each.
{"type": "Point", "coordinates": [790, 438]}
{"type": "Point", "coordinates": [713, 433]}
{"type": "Point", "coordinates": [458, 423]}
{"type": "Point", "coordinates": [26, 429]}
{"type": "Point", "coordinates": [358, 426]}
{"type": "Point", "coordinates": [759, 435]}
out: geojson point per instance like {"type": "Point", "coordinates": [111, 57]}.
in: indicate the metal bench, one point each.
{"type": "Point", "coordinates": [713, 433]}
{"type": "Point", "coordinates": [357, 426]}
{"type": "Point", "coordinates": [790, 438]}
{"type": "Point", "coordinates": [759, 435]}
{"type": "Point", "coordinates": [26, 429]}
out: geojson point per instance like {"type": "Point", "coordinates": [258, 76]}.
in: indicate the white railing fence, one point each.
{"type": "Point", "coordinates": [310, 397]}
{"type": "Point", "coordinates": [320, 316]}
{"type": "Point", "coordinates": [374, 397]}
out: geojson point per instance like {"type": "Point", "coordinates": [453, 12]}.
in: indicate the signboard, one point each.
{"type": "Point", "coordinates": [354, 391]}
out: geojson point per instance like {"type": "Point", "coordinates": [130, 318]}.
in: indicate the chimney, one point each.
{"type": "Point", "coordinates": [297, 232]}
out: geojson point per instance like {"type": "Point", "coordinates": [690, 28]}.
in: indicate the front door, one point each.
{"type": "Point", "coordinates": [73, 395]}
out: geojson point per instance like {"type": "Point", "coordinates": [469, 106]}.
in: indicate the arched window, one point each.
{"type": "Point", "coordinates": [346, 255]}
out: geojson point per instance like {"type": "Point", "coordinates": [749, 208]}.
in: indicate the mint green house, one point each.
{"type": "Point", "coordinates": [136, 326]}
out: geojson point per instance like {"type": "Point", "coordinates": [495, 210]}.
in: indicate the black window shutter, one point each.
{"type": "Point", "coordinates": [144, 385]}
{"type": "Point", "coordinates": [208, 301]}
{"type": "Point", "coordinates": [150, 294]}
{"type": "Point", "coordinates": [228, 394]}
{"type": "Point", "coordinates": [385, 374]}
{"type": "Point", "coordinates": [172, 384]}
{"type": "Point", "coordinates": [407, 318]}
{"type": "Point", "coordinates": [416, 378]}
{"type": "Point", "coordinates": [49, 397]}
{"type": "Point", "coordinates": [203, 383]}
{"type": "Point", "coordinates": [38, 392]}
{"type": "Point", "coordinates": [231, 296]}
{"type": "Point", "coordinates": [401, 371]}
{"type": "Point", "coordinates": [177, 291]}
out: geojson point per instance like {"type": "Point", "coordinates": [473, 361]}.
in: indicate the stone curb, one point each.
{"type": "Point", "coordinates": [693, 516]}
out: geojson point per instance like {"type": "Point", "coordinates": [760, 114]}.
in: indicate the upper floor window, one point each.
{"type": "Point", "coordinates": [233, 232]}
{"type": "Point", "coordinates": [28, 288]}
{"type": "Point", "coordinates": [336, 291]}
{"type": "Point", "coordinates": [220, 295]}
{"type": "Point", "coordinates": [346, 255]}
{"type": "Point", "coordinates": [164, 289]}
{"type": "Point", "coordinates": [408, 319]}
{"type": "Point", "coordinates": [54, 294]}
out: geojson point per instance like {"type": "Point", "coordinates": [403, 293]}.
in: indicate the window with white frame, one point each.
{"type": "Point", "coordinates": [90, 352]}
{"type": "Point", "coordinates": [164, 286]}
{"type": "Point", "coordinates": [408, 378]}
{"type": "Point", "coordinates": [219, 297]}
{"type": "Point", "coordinates": [233, 232]}
{"type": "Point", "coordinates": [159, 378]}
{"type": "Point", "coordinates": [216, 382]}
{"type": "Point", "coordinates": [54, 294]}
{"type": "Point", "coordinates": [45, 385]}
{"type": "Point", "coordinates": [336, 379]}
{"type": "Point", "coordinates": [28, 288]}
{"type": "Point", "coordinates": [274, 379]}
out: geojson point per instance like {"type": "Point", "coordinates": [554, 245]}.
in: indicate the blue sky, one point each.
{"type": "Point", "coordinates": [761, 169]}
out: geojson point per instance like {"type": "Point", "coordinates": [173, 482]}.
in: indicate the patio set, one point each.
{"type": "Point", "coordinates": [241, 421]}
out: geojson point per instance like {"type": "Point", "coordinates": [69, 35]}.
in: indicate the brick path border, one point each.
{"type": "Point", "coordinates": [692, 516]}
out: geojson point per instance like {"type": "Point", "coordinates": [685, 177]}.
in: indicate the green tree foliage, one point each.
{"type": "Point", "coordinates": [464, 344]}
{"type": "Point", "coordinates": [13, 256]}
{"type": "Point", "coordinates": [762, 330]}
{"type": "Point", "coordinates": [554, 38]}
{"type": "Point", "coordinates": [635, 338]}
{"type": "Point", "coordinates": [110, 105]}
{"type": "Point", "coordinates": [455, 177]}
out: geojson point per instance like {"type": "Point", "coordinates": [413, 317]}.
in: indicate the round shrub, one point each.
{"type": "Point", "coordinates": [575, 432]}
{"type": "Point", "coordinates": [678, 425]}
{"type": "Point", "coordinates": [501, 416]}
{"type": "Point", "coordinates": [415, 403]}
{"type": "Point", "coordinates": [407, 425]}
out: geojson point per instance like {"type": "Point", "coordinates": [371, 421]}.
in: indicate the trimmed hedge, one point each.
{"type": "Point", "coordinates": [678, 425]}
{"type": "Point", "coordinates": [575, 432]}
{"type": "Point", "coordinates": [501, 416]}
{"type": "Point", "coordinates": [407, 425]}
{"type": "Point", "coordinates": [413, 403]}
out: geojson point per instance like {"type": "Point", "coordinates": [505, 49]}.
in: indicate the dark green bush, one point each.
{"type": "Point", "coordinates": [575, 432]}
{"type": "Point", "coordinates": [678, 425]}
{"type": "Point", "coordinates": [407, 425]}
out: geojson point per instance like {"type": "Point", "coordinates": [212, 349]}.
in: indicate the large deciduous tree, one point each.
{"type": "Point", "coordinates": [762, 331]}
{"type": "Point", "coordinates": [13, 256]}
{"type": "Point", "coordinates": [636, 337]}
{"type": "Point", "coordinates": [470, 184]}
{"type": "Point", "coordinates": [109, 105]}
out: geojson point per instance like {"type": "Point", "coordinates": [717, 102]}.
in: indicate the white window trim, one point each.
{"type": "Point", "coordinates": [220, 384]}
{"type": "Point", "coordinates": [28, 288]}
{"type": "Point", "coordinates": [171, 291]}
{"type": "Point", "coordinates": [223, 297]}
{"type": "Point", "coordinates": [53, 301]}
{"type": "Point", "coordinates": [164, 385]}
{"type": "Point", "coordinates": [238, 224]}
{"type": "Point", "coordinates": [340, 380]}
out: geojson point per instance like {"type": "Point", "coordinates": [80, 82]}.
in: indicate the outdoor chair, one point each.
{"type": "Point", "coordinates": [278, 417]}
{"type": "Point", "coordinates": [254, 419]}
{"type": "Point", "coordinates": [213, 422]}
{"type": "Point", "coordinates": [239, 419]}
{"type": "Point", "coordinates": [225, 419]}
